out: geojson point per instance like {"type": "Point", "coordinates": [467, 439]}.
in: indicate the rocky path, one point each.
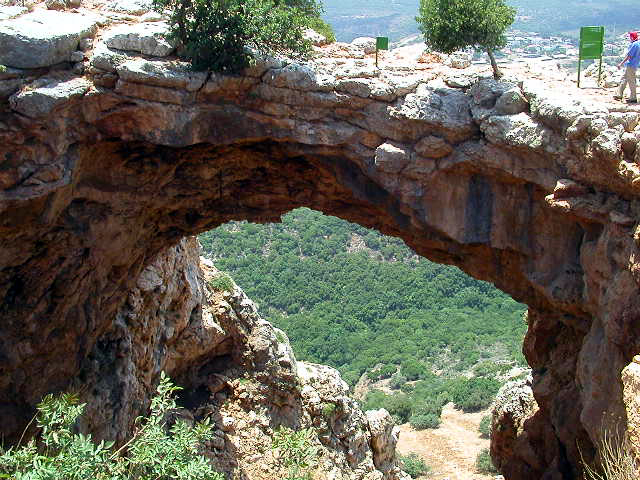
{"type": "Point", "coordinates": [450, 450]}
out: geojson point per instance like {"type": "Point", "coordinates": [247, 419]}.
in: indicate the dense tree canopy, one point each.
{"type": "Point", "coordinates": [450, 25]}
{"type": "Point", "coordinates": [224, 35]}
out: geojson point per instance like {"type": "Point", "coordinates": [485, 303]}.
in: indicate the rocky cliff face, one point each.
{"type": "Point", "coordinates": [237, 369]}
{"type": "Point", "coordinates": [111, 151]}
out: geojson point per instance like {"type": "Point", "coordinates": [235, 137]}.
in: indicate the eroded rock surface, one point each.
{"type": "Point", "coordinates": [525, 183]}
{"type": "Point", "coordinates": [238, 370]}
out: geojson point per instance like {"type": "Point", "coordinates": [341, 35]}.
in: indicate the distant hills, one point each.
{"type": "Point", "coordinates": [396, 18]}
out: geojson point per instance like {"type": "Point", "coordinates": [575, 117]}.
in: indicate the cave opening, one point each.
{"type": "Point", "coordinates": [425, 341]}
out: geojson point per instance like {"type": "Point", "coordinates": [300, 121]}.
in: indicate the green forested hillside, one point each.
{"type": "Point", "coordinates": [354, 299]}
{"type": "Point", "coordinates": [396, 19]}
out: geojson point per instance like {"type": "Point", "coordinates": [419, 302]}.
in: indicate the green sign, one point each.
{"type": "Point", "coordinates": [591, 47]}
{"type": "Point", "coordinates": [382, 43]}
{"type": "Point", "coordinates": [591, 42]}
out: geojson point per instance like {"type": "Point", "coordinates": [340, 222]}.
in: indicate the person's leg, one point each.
{"type": "Point", "coordinates": [631, 80]}
{"type": "Point", "coordinates": [623, 84]}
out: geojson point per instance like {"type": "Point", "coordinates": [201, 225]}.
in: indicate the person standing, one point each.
{"type": "Point", "coordinates": [631, 62]}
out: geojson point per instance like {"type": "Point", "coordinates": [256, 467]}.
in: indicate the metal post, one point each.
{"type": "Point", "coordinates": [579, 64]}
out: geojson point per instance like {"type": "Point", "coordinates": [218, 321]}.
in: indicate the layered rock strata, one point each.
{"type": "Point", "coordinates": [532, 188]}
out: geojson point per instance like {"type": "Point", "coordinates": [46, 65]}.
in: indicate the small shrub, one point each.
{"type": "Point", "coordinates": [383, 372]}
{"type": "Point", "coordinates": [485, 426]}
{"type": "Point", "coordinates": [156, 450]}
{"type": "Point", "coordinates": [474, 394]}
{"type": "Point", "coordinates": [3, 68]}
{"type": "Point", "coordinates": [425, 420]}
{"type": "Point", "coordinates": [222, 282]}
{"type": "Point", "coordinates": [616, 460]}
{"type": "Point", "coordinates": [281, 337]}
{"type": "Point", "coordinates": [328, 409]}
{"type": "Point", "coordinates": [397, 381]}
{"type": "Point", "coordinates": [323, 28]}
{"type": "Point", "coordinates": [414, 465]}
{"type": "Point", "coordinates": [484, 464]}
{"type": "Point", "coordinates": [413, 370]}
{"type": "Point", "coordinates": [296, 452]}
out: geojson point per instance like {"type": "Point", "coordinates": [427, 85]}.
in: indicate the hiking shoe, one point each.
{"type": "Point", "coordinates": [617, 97]}
{"type": "Point", "coordinates": [632, 100]}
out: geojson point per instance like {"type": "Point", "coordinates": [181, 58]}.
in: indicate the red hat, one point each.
{"type": "Point", "coordinates": [633, 36]}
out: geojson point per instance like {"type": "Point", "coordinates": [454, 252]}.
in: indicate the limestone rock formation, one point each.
{"type": "Point", "coordinates": [238, 370]}
{"type": "Point", "coordinates": [107, 162]}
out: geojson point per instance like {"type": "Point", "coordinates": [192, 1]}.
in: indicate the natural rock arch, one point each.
{"type": "Point", "coordinates": [515, 185]}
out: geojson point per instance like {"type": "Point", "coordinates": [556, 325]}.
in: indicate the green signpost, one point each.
{"type": "Point", "coordinates": [382, 43]}
{"type": "Point", "coordinates": [591, 47]}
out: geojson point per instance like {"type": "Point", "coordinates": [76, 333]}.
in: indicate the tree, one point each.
{"type": "Point", "coordinates": [450, 25]}
{"type": "Point", "coordinates": [225, 35]}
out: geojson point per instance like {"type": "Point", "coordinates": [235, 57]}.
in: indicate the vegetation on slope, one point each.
{"type": "Point", "coordinates": [157, 450]}
{"type": "Point", "coordinates": [361, 302]}
{"type": "Point", "coordinates": [351, 18]}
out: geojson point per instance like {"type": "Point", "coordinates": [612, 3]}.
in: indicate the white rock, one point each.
{"type": "Point", "coordinates": [161, 74]}
{"type": "Point", "coordinates": [133, 7]}
{"type": "Point", "coordinates": [41, 101]}
{"type": "Point", "coordinates": [44, 37]}
{"type": "Point", "coordinates": [11, 11]}
{"type": "Point", "coordinates": [367, 44]}
{"type": "Point", "coordinates": [146, 38]}
{"type": "Point", "coordinates": [314, 37]}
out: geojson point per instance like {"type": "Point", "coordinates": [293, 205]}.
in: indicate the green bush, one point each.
{"type": "Point", "coordinates": [222, 282]}
{"type": "Point", "coordinates": [413, 370]}
{"type": "Point", "coordinates": [328, 409]}
{"type": "Point", "coordinates": [383, 372]}
{"type": "Point", "coordinates": [485, 426]}
{"type": "Point", "coordinates": [3, 68]}
{"type": "Point", "coordinates": [474, 394]}
{"type": "Point", "coordinates": [424, 420]}
{"type": "Point", "coordinates": [296, 452]}
{"type": "Point", "coordinates": [397, 381]}
{"type": "Point", "coordinates": [224, 35]}
{"type": "Point", "coordinates": [414, 465]}
{"type": "Point", "coordinates": [323, 28]}
{"type": "Point", "coordinates": [484, 464]}
{"type": "Point", "coordinates": [157, 450]}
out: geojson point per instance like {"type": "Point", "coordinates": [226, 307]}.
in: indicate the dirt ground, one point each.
{"type": "Point", "coordinates": [450, 450]}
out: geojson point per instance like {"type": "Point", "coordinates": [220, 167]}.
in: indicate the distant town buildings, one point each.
{"type": "Point", "coordinates": [524, 45]}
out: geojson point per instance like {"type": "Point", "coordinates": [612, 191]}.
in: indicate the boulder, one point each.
{"type": "Point", "coordinates": [513, 406]}
{"type": "Point", "coordinates": [43, 38]}
{"type": "Point", "coordinates": [512, 102]}
{"type": "Point", "coordinates": [161, 74]}
{"type": "Point", "coordinates": [459, 60]}
{"type": "Point", "coordinates": [40, 101]}
{"type": "Point", "coordinates": [314, 37]}
{"type": "Point", "coordinates": [11, 11]}
{"type": "Point", "coordinates": [146, 38]}
{"type": "Point", "coordinates": [366, 44]}
{"type": "Point", "coordinates": [132, 7]}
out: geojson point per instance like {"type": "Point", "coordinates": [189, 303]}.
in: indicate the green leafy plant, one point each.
{"type": "Point", "coordinates": [296, 452]}
{"type": "Point", "coordinates": [450, 25]}
{"type": "Point", "coordinates": [222, 282]}
{"type": "Point", "coordinates": [323, 28]}
{"type": "Point", "coordinates": [414, 465]}
{"type": "Point", "coordinates": [328, 409]}
{"type": "Point", "coordinates": [3, 68]}
{"type": "Point", "coordinates": [484, 464]}
{"type": "Point", "coordinates": [225, 35]}
{"type": "Point", "coordinates": [157, 450]}
{"type": "Point", "coordinates": [485, 426]}
{"type": "Point", "coordinates": [424, 420]}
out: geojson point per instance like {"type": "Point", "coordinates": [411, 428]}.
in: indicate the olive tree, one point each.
{"type": "Point", "coordinates": [450, 25]}
{"type": "Point", "coordinates": [225, 35]}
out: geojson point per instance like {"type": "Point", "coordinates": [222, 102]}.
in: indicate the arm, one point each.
{"type": "Point", "coordinates": [623, 61]}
